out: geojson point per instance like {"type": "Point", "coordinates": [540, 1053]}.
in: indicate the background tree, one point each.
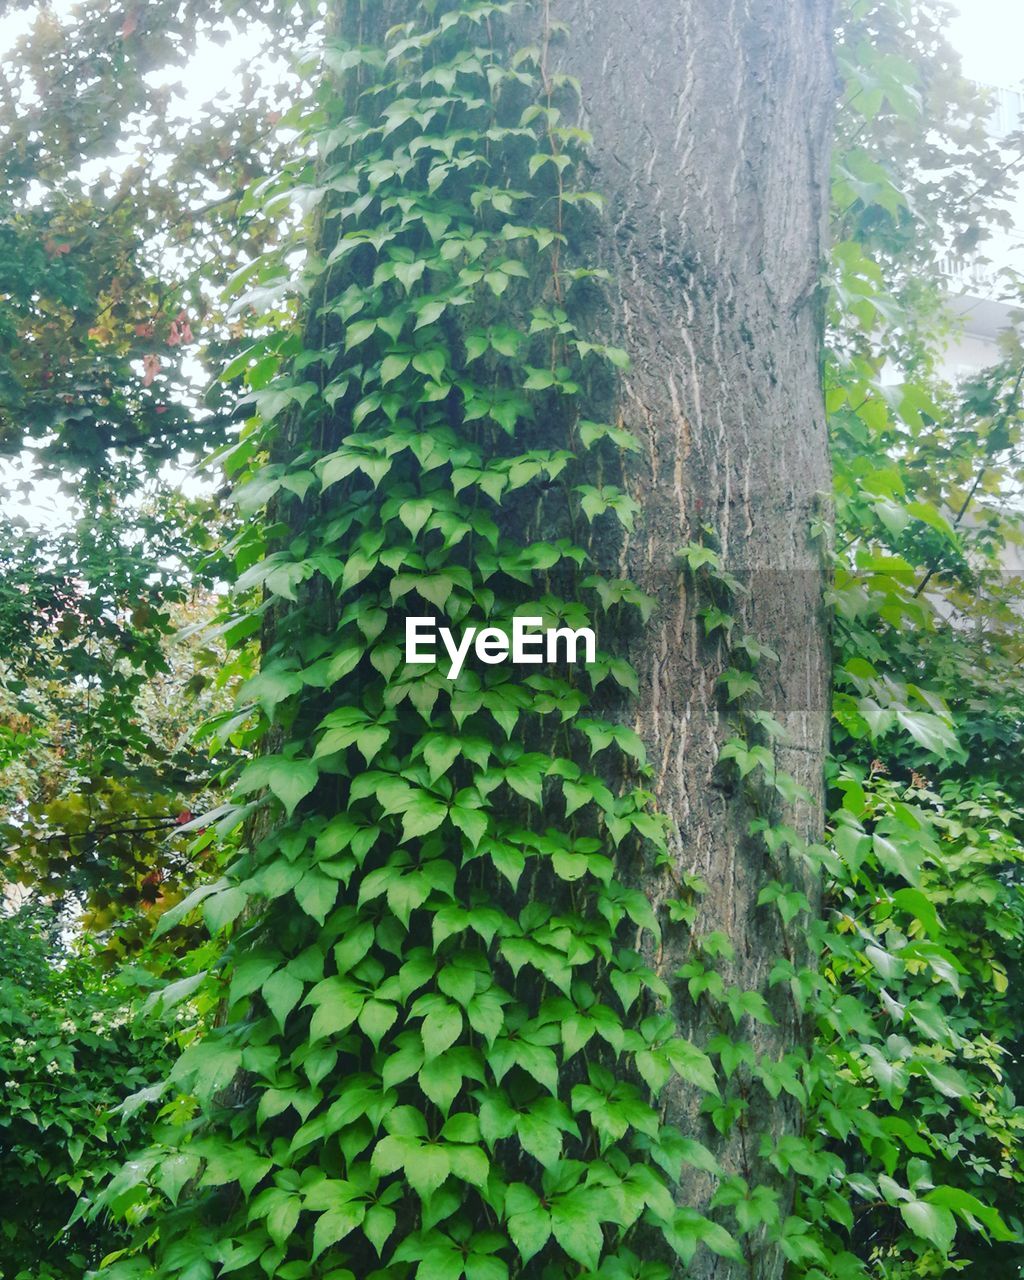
{"type": "Point", "coordinates": [917, 1051]}
{"type": "Point", "coordinates": [119, 226]}
{"type": "Point", "coordinates": [69, 1054]}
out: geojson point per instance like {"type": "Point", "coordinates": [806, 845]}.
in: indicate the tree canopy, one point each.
{"type": "Point", "coordinates": [315, 966]}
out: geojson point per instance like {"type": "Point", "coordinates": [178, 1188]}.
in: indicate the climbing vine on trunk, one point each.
{"type": "Point", "coordinates": [442, 1043]}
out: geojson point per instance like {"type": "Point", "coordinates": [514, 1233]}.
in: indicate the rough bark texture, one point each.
{"type": "Point", "coordinates": [711, 121]}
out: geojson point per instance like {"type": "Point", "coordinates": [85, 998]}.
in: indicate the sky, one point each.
{"type": "Point", "coordinates": [989, 35]}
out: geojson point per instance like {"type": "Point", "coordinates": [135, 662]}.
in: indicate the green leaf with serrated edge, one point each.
{"type": "Point", "coordinates": [577, 1229]}
{"type": "Point", "coordinates": [289, 780]}
{"type": "Point", "coordinates": [440, 1029]}
{"type": "Point", "coordinates": [335, 1225]}
{"type": "Point", "coordinates": [529, 1224]}
{"type": "Point", "coordinates": [376, 1018]}
{"type": "Point", "coordinates": [379, 1225]}
{"type": "Point", "coordinates": [426, 1167]}
{"type": "Point", "coordinates": [930, 1222]}
{"type": "Point", "coordinates": [282, 992]}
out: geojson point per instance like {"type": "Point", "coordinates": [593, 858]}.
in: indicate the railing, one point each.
{"type": "Point", "coordinates": [970, 275]}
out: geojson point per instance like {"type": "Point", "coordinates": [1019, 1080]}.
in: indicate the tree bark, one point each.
{"type": "Point", "coordinates": [711, 125]}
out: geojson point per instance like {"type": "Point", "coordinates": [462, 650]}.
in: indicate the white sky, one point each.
{"type": "Point", "coordinates": [989, 35]}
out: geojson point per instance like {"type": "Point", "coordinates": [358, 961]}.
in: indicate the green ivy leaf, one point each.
{"type": "Point", "coordinates": [529, 1224]}
{"type": "Point", "coordinates": [335, 1225]}
{"type": "Point", "coordinates": [290, 780]}
{"type": "Point", "coordinates": [440, 1029]}
{"type": "Point", "coordinates": [282, 992]}
{"type": "Point", "coordinates": [576, 1228]}
{"type": "Point", "coordinates": [930, 1222]}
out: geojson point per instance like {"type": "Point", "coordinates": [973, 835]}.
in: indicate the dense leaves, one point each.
{"type": "Point", "coordinates": [917, 1044]}
{"type": "Point", "coordinates": [412, 1034]}
{"type": "Point", "coordinates": [118, 229]}
{"type": "Point", "coordinates": [396, 1061]}
{"type": "Point", "coordinates": [68, 1054]}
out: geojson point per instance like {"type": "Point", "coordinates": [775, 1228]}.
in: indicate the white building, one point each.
{"type": "Point", "coordinates": [980, 290]}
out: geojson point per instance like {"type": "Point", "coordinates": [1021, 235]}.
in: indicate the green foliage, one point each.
{"type": "Point", "coordinates": [439, 1049]}
{"type": "Point", "coordinates": [913, 1084]}
{"type": "Point", "coordinates": [111, 248]}
{"type": "Point", "coordinates": [442, 1076]}
{"type": "Point", "coordinates": [111, 254]}
{"type": "Point", "coordinates": [96, 701]}
{"type": "Point", "coordinates": [68, 1053]}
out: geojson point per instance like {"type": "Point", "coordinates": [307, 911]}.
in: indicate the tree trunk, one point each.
{"type": "Point", "coordinates": [711, 125]}
{"type": "Point", "coordinates": [418, 1014]}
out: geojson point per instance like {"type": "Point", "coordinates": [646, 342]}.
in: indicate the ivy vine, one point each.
{"type": "Point", "coordinates": [443, 1070]}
